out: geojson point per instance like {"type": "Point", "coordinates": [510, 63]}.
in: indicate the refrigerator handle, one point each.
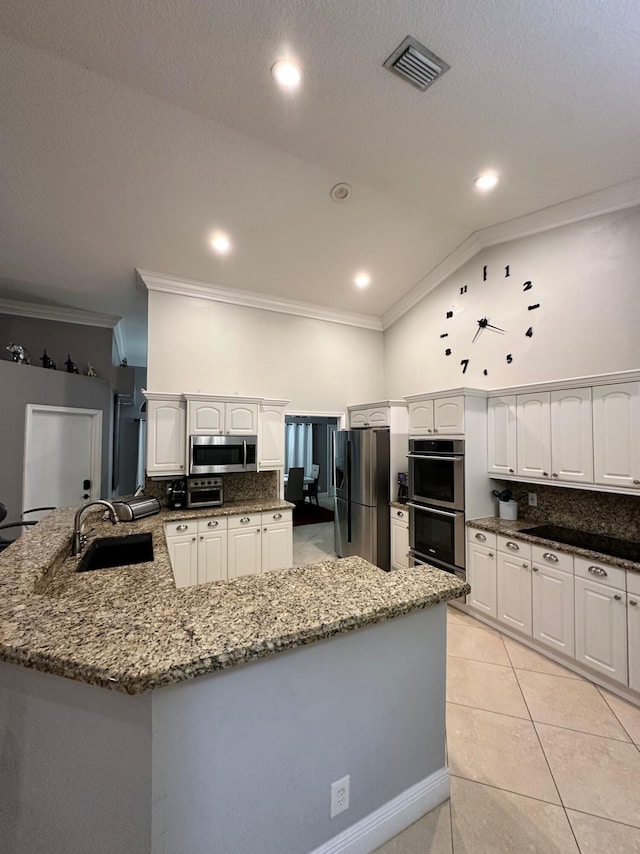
{"type": "Point", "coordinates": [348, 468]}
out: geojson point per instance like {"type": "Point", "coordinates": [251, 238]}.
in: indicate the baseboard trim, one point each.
{"type": "Point", "coordinates": [395, 816]}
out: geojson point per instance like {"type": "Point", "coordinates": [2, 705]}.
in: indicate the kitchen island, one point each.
{"type": "Point", "coordinates": [343, 673]}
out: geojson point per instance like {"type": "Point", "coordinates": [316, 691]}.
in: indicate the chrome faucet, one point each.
{"type": "Point", "coordinates": [79, 539]}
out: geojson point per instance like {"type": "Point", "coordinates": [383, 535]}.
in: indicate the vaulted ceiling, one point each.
{"type": "Point", "coordinates": [130, 132]}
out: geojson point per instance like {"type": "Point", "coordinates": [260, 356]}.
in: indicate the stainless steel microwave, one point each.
{"type": "Point", "coordinates": [222, 454]}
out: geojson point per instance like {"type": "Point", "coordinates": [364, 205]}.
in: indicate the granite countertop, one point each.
{"type": "Point", "coordinates": [130, 629]}
{"type": "Point", "coordinates": [502, 526]}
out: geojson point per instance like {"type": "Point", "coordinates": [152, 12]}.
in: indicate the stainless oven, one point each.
{"type": "Point", "coordinates": [437, 537]}
{"type": "Point", "coordinates": [436, 472]}
{"type": "Point", "coordinates": [204, 492]}
{"type": "Point", "coordinates": [222, 454]}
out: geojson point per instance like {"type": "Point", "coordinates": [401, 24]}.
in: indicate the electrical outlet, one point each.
{"type": "Point", "coordinates": [339, 796]}
{"type": "Point", "coordinates": [533, 499]}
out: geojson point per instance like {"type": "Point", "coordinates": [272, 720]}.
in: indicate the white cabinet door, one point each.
{"type": "Point", "coordinates": [601, 628]}
{"type": "Point", "coordinates": [421, 418]}
{"type": "Point", "coordinates": [616, 434]}
{"type": "Point", "coordinates": [212, 556]}
{"type": "Point", "coordinates": [448, 415]}
{"type": "Point", "coordinates": [183, 553]}
{"type": "Point", "coordinates": [633, 631]}
{"type": "Point", "coordinates": [206, 417]}
{"type": "Point", "coordinates": [277, 545]}
{"type": "Point", "coordinates": [378, 417]}
{"type": "Point", "coordinates": [271, 437]}
{"type": "Point", "coordinates": [501, 415]}
{"type": "Point", "coordinates": [534, 435]}
{"type": "Point", "coordinates": [241, 419]}
{"type": "Point", "coordinates": [166, 449]}
{"type": "Point", "coordinates": [481, 575]}
{"type": "Point", "coordinates": [572, 435]}
{"type": "Point", "coordinates": [399, 539]}
{"type": "Point", "coordinates": [553, 612]}
{"type": "Point", "coordinates": [514, 592]}
{"type": "Point", "coordinates": [358, 418]}
{"type": "Point", "coordinates": [244, 551]}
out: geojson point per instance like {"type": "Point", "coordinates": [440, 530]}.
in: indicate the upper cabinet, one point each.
{"type": "Point", "coordinates": [388, 413]}
{"type": "Point", "coordinates": [442, 416]}
{"type": "Point", "coordinates": [586, 435]}
{"type": "Point", "coordinates": [214, 416]}
{"type": "Point", "coordinates": [271, 434]}
{"type": "Point", "coordinates": [616, 432]}
{"type": "Point", "coordinates": [166, 448]}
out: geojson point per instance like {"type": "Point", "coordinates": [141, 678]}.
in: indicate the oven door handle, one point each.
{"type": "Point", "coordinates": [439, 457]}
{"type": "Point", "coordinates": [431, 509]}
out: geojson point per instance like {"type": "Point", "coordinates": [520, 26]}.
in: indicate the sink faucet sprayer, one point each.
{"type": "Point", "coordinates": [79, 538]}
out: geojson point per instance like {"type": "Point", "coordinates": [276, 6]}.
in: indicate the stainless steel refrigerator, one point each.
{"type": "Point", "coordinates": [361, 479]}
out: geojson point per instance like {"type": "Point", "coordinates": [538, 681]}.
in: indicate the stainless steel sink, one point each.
{"type": "Point", "coordinates": [109, 552]}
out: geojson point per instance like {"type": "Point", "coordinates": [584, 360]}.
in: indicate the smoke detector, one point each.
{"type": "Point", "coordinates": [340, 192]}
{"type": "Point", "coordinates": [416, 63]}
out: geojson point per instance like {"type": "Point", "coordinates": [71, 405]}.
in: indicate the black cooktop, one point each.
{"type": "Point", "coordinates": [625, 549]}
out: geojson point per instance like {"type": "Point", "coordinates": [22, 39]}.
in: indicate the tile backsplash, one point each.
{"type": "Point", "coordinates": [600, 512]}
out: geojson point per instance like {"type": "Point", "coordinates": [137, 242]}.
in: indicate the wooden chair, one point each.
{"type": "Point", "coordinates": [294, 490]}
{"type": "Point", "coordinates": [311, 489]}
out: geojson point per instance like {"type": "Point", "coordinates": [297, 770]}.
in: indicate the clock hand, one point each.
{"type": "Point", "coordinates": [482, 323]}
{"type": "Point", "coordinates": [495, 328]}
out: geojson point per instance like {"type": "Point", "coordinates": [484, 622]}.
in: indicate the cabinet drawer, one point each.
{"type": "Point", "coordinates": [482, 538]}
{"type": "Point", "coordinates": [400, 515]}
{"type": "Point", "coordinates": [179, 529]}
{"type": "Point", "coordinates": [511, 546]}
{"type": "Point", "coordinates": [271, 517]}
{"type": "Point", "coordinates": [552, 557]}
{"type": "Point", "coordinates": [613, 576]}
{"type": "Point", "coordinates": [245, 521]}
{"type": "Point", "coordinates": [217, 523]}
{"type": "Point", "coordinates": [633, 582]}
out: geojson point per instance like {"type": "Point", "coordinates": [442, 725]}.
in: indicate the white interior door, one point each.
{"type": "Point", "coordinates": [61, 457]}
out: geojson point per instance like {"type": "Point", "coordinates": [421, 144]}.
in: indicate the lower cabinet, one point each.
{"type": "Point", "coordinates": [481, 573]}
{"type": "Point", "coordinates": [514, 592]}
{"type": "Point", "coordinates": [553, 611]}
{"type": "Point", "coordinates": [399, 538]}
{"type": "Point", "coordinates": [224, 547]}
{"type": "Point", "coordinates": [601, 628]}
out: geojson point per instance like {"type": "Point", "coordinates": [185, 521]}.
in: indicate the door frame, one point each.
{"type": "Point", "coordinates": [96, 442]}
{"type": "Point", "coordinates": [341, 422]}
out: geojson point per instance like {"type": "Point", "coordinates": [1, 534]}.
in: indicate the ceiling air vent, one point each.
{"type": "Point", "coordinates": [416, 64]}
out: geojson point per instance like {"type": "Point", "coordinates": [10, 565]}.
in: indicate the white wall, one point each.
{"type": "Point", "coordinates": [585, 277]}
{"type": "Point", "coordinates": [198, 345]}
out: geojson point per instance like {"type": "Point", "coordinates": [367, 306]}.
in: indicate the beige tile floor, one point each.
{"type": "Point", "coordinates": [541, 760]}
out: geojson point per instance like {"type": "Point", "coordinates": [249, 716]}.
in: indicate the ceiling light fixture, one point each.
{"type": "Point", "coordinates": [220, 243]}
{"type": "Point", "coordinates": [340, 192]}
{"type": "Point", "coordinates": [362, 280]}
{"type": "Point", "coordinates": [286, 74]}
{"type": "Point", "coordinates": [486, 181]}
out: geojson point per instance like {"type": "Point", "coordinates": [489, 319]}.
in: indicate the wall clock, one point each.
{"type": "Point", "coordinates": [498, 305]}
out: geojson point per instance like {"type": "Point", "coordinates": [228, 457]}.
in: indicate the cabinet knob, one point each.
{"type": "Point", "coordinates": [182, 527]}
{"type": "Point", "coordinates": [525, 566]}
{"type": "Point", "coordinates": [550, 557]}
{"type": "Point", "coordinates": [481, 537]}
{"type": "Point", "coordinates": [554, 474]}
{"type": "Point", "coordinates": [636, 482]}
{"type": "Point", "coordinates": [633, 601]}
{"type": "Point", "coordinates": [400, 514]}
{"type": "Point", "coordinates": [212, 524]}
{"type": "Point", "coordinates": [182, 466]}
{"type": "Point", "coordinates": [265, 530]}
{"type": "Point", "coordinates": [429, 430]}
{"type": "Point", "coordinates": [535, 569]}
{"type": "Point", "coordinates": [193, 539]}
{"type": "Point", "coordinates": [617, 597]}
{"type": "Point", "coordinates": [258, 530]}
{"type": "Point", "coordinates": [511, 471]}
{"type": "Point", "coordinates": [514, 547]}
{"type": "Point", "coordinates": [598, 570]}
{"type": "Point", "coordinates": [434, 430]}
{"type": "Point", "coordinates": [545, 474]}
{"type": "Point", "coordinates": [490, 554]}
{"type": "Point", "coordinates": [201, 537]}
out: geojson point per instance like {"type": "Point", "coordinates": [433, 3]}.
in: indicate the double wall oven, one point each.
{"type": "Point", "coordinates": [436, 503]}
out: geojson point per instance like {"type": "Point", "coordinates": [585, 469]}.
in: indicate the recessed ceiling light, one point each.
{"type": "Point", "coordinates": [286, 74]}
{"type": "Point", "coordinates": [220, 243]}
{"type": "Point", "coordinates": [362, 280]}
{"type": "Point", "coordinates": [340, 192]}
{"type": "Point", "coordinates": [486, 181]}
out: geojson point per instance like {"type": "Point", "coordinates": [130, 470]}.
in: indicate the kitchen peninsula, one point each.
{"type": "Point", "coordinates": [343, 674]}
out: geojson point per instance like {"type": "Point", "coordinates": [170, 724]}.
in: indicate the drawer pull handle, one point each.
{"type": "Point", "coordinates": [182, 528]}
{"type": "Point", "coordinates": [481, 537]}
{"type": "Point", "coordinates": [244, 520]}
{"type": "Point", "coordinates": [633, 601]}
{"type": "Point", "coordinates": [513, 546]}
{"type": "Point", "coordinates": [212, 524]}
{"type": "Point", "coordinates": [550, 557]}
{"type": "Point", "coordinates": [599, 571]}
{"type": "Point", "coordinates": [617, 597]}
{"type": "Point", "coordinates": [277, 515]}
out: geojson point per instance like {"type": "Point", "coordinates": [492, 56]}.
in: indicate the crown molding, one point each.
{"type": "Point", "coordinates": [250, 299]}
{"type": "Point", "coordinates": [59, 313]}
{"type": "Point", "coordinates": [584, 207]}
